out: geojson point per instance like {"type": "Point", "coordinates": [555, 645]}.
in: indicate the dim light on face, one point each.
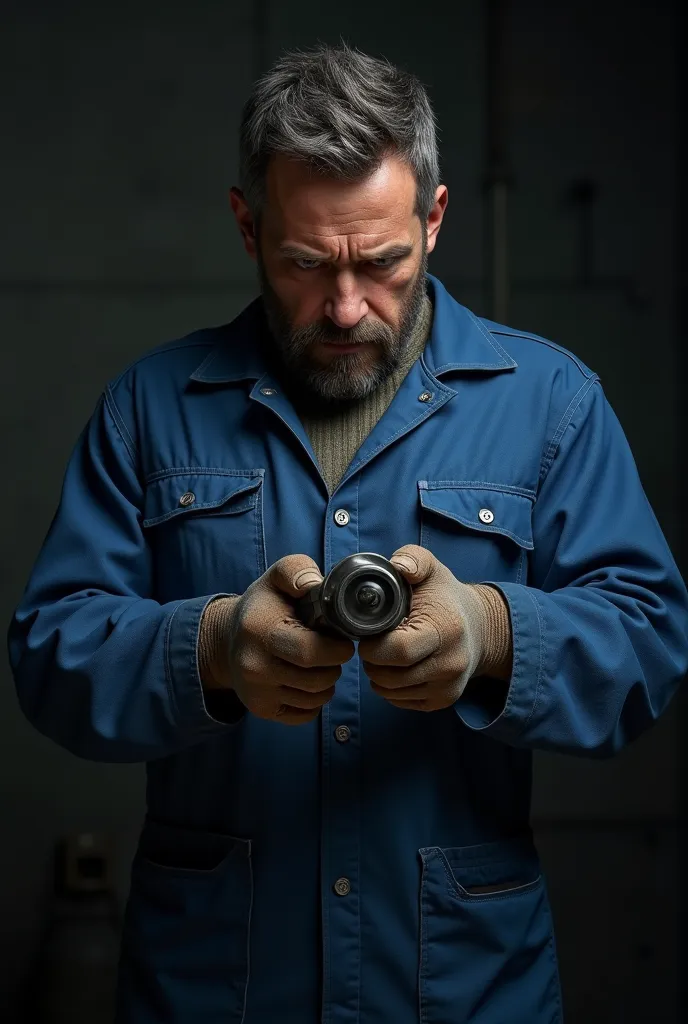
{"type": "Point", "coordinates": [342, 267]}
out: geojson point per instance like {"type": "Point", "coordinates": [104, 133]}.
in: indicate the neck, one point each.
{"type": "Point", "coordinates": [337, 430]}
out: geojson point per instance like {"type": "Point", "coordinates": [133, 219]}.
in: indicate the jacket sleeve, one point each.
{"type": "Point", "coordinates": [100, 666]}
{"type": "Point", "coordinates": [600, 631]}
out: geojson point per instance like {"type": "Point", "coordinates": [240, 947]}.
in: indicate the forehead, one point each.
{"type": "Point", "coordinates": [301, 202]}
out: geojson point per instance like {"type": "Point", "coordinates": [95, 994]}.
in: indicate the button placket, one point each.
{"type": "Point", "coordinates": [343, 779]}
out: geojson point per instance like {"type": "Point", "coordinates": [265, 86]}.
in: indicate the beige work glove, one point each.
{"type": "Point", "coordinates": [256, 646]}
{"type": "Point", "coordinates": [455, 631]}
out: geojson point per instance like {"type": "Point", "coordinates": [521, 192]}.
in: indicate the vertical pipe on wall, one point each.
{"type": "Point", "coordinates": [496, 169]}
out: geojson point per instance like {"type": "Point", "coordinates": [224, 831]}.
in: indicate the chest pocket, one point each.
{"type": "Point", "coordinates": [205, 531]}
{"type": "Point", "coordinates": [481, 533]}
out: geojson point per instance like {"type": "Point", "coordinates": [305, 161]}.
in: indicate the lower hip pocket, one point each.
{"type": "Point", "coordinates": [487, 951]}
{"type": "Point", "coordinates": [185, 952]}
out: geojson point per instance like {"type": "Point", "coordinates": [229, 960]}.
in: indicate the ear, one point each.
{"type": "Point", "coordinates": [434, 221]}
{"type": "Point", "coordinates": [244, 220]}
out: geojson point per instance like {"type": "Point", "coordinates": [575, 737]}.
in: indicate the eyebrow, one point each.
{"type": "Point", "coordinates": [398, 250]}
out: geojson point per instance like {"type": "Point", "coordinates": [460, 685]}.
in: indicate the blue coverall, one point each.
{"type": "Point", "coordinates": [337, 871]}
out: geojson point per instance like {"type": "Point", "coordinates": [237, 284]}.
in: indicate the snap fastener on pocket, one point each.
{"type": "Point", "coordinates": [486, 515]}
{"type": "Point", "coordinates": [187, 499]}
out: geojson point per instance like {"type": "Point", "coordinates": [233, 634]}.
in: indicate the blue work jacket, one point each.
{"type": "Point", "coordinates": [374, 866]}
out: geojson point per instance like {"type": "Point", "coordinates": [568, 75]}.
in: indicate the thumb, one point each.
{"type": "Point", "coordinates": [415, 563]}
{"type": "Point", "coordinates": [295, 575]}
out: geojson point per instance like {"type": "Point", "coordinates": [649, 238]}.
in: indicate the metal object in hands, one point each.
{"type": "Point", "coordinates": [362, 595]}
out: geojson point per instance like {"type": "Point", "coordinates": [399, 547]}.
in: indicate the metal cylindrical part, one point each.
{"type": "Point", "coordinates": [362, 595]}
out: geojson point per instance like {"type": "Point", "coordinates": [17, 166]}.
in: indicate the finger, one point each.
{"type": "Point", "coordinates": [304, 700]}
{"type": "Point", "coordinates": [269, 706]}
{"type": "Point", "coordinates": [307, 680]}
{"type": "Point", "coordinates": [286, 715]}
{"type": "Point", "coordinates": [389, 678]}
{"type": "Point", "coordinates": [410, 705]}
{"type": "Point", "coordinates": [401, 693]}
{"type": "Point", "coordinates": [425, 673]}
{"type": "Point", "coordinates": [415, 563]}
{"type": "Point", "coordinates": [404, 646]}
{"type": "Point", "coordinates": [291, 641]}
{"type": "Point", "coordinates": [294, 575]}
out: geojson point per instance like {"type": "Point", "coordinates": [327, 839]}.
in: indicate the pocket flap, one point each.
{"type": "Point", "coordinates": [487, 509]}
{"type": "Point", "coordinates": [496, 868]}
{"type": "Point", "coordinates": [181, 492]}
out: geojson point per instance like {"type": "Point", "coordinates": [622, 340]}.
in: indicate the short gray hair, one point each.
{"type": "Point", "coordinates": [342, 112]}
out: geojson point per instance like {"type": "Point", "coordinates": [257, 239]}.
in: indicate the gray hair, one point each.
{"type": "Point", "coordinates": [342, 112]}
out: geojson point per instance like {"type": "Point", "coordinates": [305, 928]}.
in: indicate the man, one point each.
{"type": "Point", "coordinates": [339, 831]}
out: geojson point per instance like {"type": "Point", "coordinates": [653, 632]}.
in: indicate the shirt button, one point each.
{"type": "Point", "coordinates": [343, 733]}
{"type": "Point", "coordinates": [341, 517]}
{"type": "Point", "coordinates": [485, 515]}
{"type": "Point", "coordinates": [425, 396]}
{"type": "Point", "coordinates": [342, 886]}
{"type": "Point", "coordinates": [268, 391]}
{"type": "Point", "coordinates": [187, 499]}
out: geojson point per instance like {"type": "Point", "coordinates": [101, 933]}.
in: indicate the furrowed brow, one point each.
{"type": "Point", "coordinates": [295, 252]}
{"type": "Point", "coordinates": [399, 249]}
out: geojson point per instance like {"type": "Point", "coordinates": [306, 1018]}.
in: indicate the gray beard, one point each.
{"type": "Point", "coordinates": [345, 380]}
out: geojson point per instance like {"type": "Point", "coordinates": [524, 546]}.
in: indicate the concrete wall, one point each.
{"type": "Point", "coordinates": [120, 145]}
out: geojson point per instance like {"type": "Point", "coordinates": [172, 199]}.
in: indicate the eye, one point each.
{"type": "Point", "coordinates": [385, 262]}
{"type": "Point", "coordinates": [311, 264]}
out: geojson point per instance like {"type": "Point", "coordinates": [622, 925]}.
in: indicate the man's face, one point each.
{"type": "Point", "coordinates": [342, 270]}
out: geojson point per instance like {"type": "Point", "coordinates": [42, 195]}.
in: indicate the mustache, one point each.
{"type": "Point", "coordinates": [329, 333]}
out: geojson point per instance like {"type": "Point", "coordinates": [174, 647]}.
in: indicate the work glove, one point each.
{"type": "Point", "coordinates": [257, 647]}
{"type": "Point", "coordinates": [455, 631]}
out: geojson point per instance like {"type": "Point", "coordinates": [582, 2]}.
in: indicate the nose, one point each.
{"type": "Point", "coordinates": [345, 306]}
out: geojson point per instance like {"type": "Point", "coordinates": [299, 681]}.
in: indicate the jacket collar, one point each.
{"type": "Point", "coordinates": [459, 341]}
{"type": "Point", "coordinates": [241, 351]}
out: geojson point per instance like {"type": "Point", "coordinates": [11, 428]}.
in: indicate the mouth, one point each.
{"type": "Point", "coordinates": [334, 346]}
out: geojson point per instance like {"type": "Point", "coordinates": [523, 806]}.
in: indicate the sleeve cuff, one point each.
{"type": "Point", "coordinates": [484, 706]}
{"type": "Point", "coordinates": [195, 709]}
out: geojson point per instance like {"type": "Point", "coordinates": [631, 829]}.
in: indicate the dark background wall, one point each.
{"type": "Point", "coordinates": [119, 146]}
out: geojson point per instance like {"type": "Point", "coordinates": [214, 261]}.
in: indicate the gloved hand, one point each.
{"type": "Point", "coordinates": [256, 646]}
{"type": "Point", "coordinates": [455, 631]}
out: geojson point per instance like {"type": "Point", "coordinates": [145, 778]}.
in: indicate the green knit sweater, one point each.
{"type": "Point", "coordinates": [336, 437]}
